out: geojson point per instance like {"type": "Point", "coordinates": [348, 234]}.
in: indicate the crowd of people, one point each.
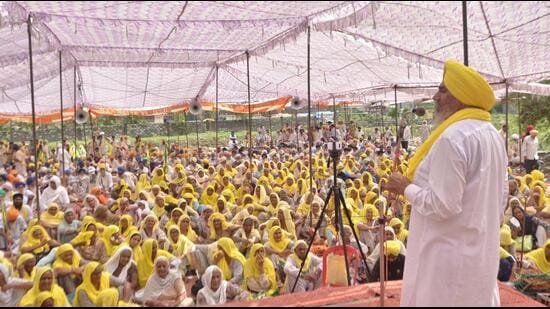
{"type": "Point", "coordinates": [121, 223]}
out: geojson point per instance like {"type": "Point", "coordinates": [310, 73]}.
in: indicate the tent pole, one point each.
{"type": "Point", "coordinates": [35, 150]}
{"type": "Point", "coordinates": [506, 108]}
{"type": "Point", "coordinates": [62, 124]}
{"type": "Point", "coordinates": [309, 131]}
{"type": "Point", "coordinates": [465, 30]}
{"type": "Point", "coordinates": [249, 107]}
{"type": "Point", "coordinates": [396, 114]}
{"type": "Point", "coordinates": [217, 128]}
{"type": "Point", "coordinates": [197, 131]}
{"type": "Point", "coordinates": [270, 131]}
{"type": "Point", "coordinates": [186, 135]}
{"type": "Point", "coordinates": [74, 106]}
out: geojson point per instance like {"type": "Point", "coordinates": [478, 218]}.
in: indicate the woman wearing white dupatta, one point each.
{"type": "Point", "coordinates": [216, 290]}
{"type": "Point", "coordinates": [54, 193]}
{"type": "Point", "coordinates": [123, 271]}
{"type": "Point", "coordinates": [165, 288]}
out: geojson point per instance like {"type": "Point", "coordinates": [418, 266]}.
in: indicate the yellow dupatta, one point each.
{"type": "Point", "coordinates": [58, 295]}
{"type": "Point", "coordinates": [143, 183]}
{"type": "Point", "coordinates": [403, 233]}
{"type": "Point", "coordinates": [145, 262]}
{"type": "Point", "coordinates": [539, 257]}
{"type": "Point", "coordinates": [209, 199]}
{"type": "Point", "coordinates": [59, 263]}
{"type": "Point", "coordinates": [109, 232]}
{"type": "Point", "coordinates": [424, 149]}
{"type": "Point", "coordinates": [282, 244]}
{"type": "Point", "coordinates": [182, 245]}
{"type": "Point", "coordinates": [23, 258]}
{"type": "Point", "coordinates": [230, 250]}
{"type": "Point", "coordinates": [88, 287]}
{"type": "Point", "coordinates": [189, 232]}
{"type": "Point", "coordinates": [31, 241]}
{"type": "Point", "coordinates": [130, 222]}
{"type": "Point", "coordinates": [251, 269]}
{"type": "Point", "coordinates": [211, 230]}
{"type": "Point", "coordinates": [56, 219]}
{"type": "Point", "coordinates": [297, 260]}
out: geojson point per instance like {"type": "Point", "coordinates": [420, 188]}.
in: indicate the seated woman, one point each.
{"type": "Point", "coordinates": [247, 235]}
{"type": "Point", "coordinates": [112, 239]}
{"type": "Point", "coordinates": [186, 230]}
{"type": "Point", "coordinates": [51, 219]}
{"type": "Point", "coordinates": [400, 232]}
{"type": "Point", "coordinates": [150, 230]}
{"type": "Point", "coordinates": [218, 227]}
{"type": "Point", "coordinates": [179, 246]}
{"type": "Point", "coordinates": [229, 260]}
{"type": "Point", "coordinates": [11, 288]}
{"type": "Point", "coordinates": [123, 271]}
{"type": "Point", "coordinates": [216, 290]}
{"type": "Point", "coordinates": [68, 268]}
{"type": "Point", "coordinates": [396, 262]}
{"type": "Point", "coordinates": [165, 288]}
{"type": "Point", "coordinates": [38, 242]}
{"type": "Point", "coordinates": [25, 267]}
{"type": "Point", "coordinates": [278, 249]}
{"type": "Point", "coordinates": [528, 226]}
{"type": "Point", "coordinates": [175, 216]}
{"type": "Point", "coordinates": [389, 234]}
{"type": "Point", "coordinates": [259, 273]}
{"type": "Point", "coordinates": [89, 245]}
{"type": "Point", "coordinates": [145, 265]}
{"type": "Point", "coordinates": [94, 281]}
{"type": "Point", "coordinates": [310, 279]}
{"type": "Point", "coordinates": [68, 229]}
{"type": "Point", "coordinates": [126, 226]}
{"type": "Point", "coordinates": [44, 281]}
{"type": "Point", "coordinates": [539, 259]}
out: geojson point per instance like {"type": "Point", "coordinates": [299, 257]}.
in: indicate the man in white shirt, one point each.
{"type": "Point", "coordinates": [104, 179]}
{"type": "Point", "coordinates": [530, 151]}
{"type": "Point", "coordinates": [457, 185]}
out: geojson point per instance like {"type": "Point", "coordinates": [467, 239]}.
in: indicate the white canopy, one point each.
{"type": "Point", "coordinates": [133, 54]}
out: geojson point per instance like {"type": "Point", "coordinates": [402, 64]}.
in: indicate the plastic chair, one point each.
{"type": "Point", "coordinates": [334, 266]}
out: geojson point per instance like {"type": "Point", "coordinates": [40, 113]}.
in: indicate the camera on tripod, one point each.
{"type": "Point", "coordinates": [335, 149]}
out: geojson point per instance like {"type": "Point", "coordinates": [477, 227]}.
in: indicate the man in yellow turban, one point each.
{"type": "Point", "coordinates": [457, 185]}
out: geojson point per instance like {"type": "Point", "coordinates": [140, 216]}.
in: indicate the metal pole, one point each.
{"type": "Point", "coordinates": [217, 108]}
{"type": "Point", "coordinates": [519, 131]}
{"type": "Point", "coordinates": [396, 115]}
{"type": "Point", "coordinates": [309, 132]}
{"type": "Point", "coordinates": [62, 124]}
{"type": "Point", "coordinates": [506, 109]}
{"type": "Point", "coordinates": [270, 131]}
{"type": "Point", "coordinates": [35, 150]}
{"type": "Point", "coordinates": [465, 30]}
{"type": "Point", "coordinates": [74, 106]}
{"type": "Point", "coordinates": [186, 135]}
{"type": "Point", "coordinates": [197, 130]}
{"type": "Point", "coordinates": [249, 107]}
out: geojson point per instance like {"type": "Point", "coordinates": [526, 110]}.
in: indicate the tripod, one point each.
{"type": "Point", "coordinates": [336, 193]}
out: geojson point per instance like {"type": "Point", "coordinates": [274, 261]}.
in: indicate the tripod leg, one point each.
{"type": "Point", "coordinates": [346, 211]}
{"type": "Point", "coordinates": [340, 223]}
{"type": "Point", "coordinates": [319, 222]}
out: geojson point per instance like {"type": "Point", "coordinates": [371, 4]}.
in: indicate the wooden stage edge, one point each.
{"type": "Point", "coordinates": [367, 295]}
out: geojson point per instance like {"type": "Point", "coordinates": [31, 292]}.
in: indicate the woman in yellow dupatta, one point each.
{"type": "Point", "coordinates": [285, 218]}
{"type": "Point", "coordinates": [44, 281]}
{"type": "Point", "coordinates": [366, 180]}
{"type": "Point", "coordinates": [51, 218]}
{"type": "Point", "coordinates": [366, 225]}
{"type": "Point", "coordinates": [218, 227]}
{"type": "Point", "coordinates": [186, 230]}
{"type": "Point", "coordinates": [143, 183]}
{"type": "Point", "coordinates": [260, 196]}
{"type": "Point", "coordinates": [178, 245]}
{"type": "Point", "coordinates": [226, 257]}
{"type": "Point", "coordinates": [209, 196]}
{"type": "Point", "coordinates": [145, 261]}
{"type": "Point", "coordinates": [126, 225]}
{"type": "Point", "coordinates": [94, 281]}
{"type": "Point", "coordinates": [158, 176]}
{"type": "Point", "coordinates": [112, 239]}
{"type": "Point", "coordinates": [229, 196]}
{"type": "Point", "coordinates": [370, 198]}
{"type": "Point", "coordinates": [67, 266]}
{"type": "Point", "coordinates": [541, 258]}
{"type": "Point", "coordinates": [175, 216]}
{"type": "Point", "coordinates": [278, 247]}
{"type": "Point", "coordinates": [25, 267]}
{"type": "Point", "coordinates": [38, 242]}
{"type": "Point", "coordinates": [259, 273]}
{"type": "Point", "coordinates": [400, 232]}
{"type": "Point", "coordinates": [290, 186]}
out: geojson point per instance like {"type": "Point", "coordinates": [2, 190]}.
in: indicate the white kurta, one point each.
{"type": "Point", "coordinates": [458, 196]}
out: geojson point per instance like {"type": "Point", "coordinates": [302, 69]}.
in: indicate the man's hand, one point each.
{"type": "Point", "coordinates": [397, 184]}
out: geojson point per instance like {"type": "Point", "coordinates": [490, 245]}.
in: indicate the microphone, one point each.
{"type": "Point", "coordinates": [419, 111]}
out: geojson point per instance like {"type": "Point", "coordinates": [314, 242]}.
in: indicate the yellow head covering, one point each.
{"type": "Point", "coordinates": [251, 268]}
{"type": "Point", "coordinates": [41, 298]}
{"type": "Point", "coordinates": [59, 263]}
{"type": "Point", "coordinates": [189, 233]}
{"type": "Point", "coordinates": [211, 229]}
{"type": "Point", "coordinates": [230, 250]}
{"type": "Point", "coordinates": [145, 261]}
{"type": "Point", "coordinates": [23, 258]}
{"type": "Point", "coordinates": [297, 260]}
{"type": "Point", "coordinates": [109, 232]}
{"type": "Point", "coordinates": [392, 247]}
{"type": "Point", "coordinates": [129, 229]}
{"type": "Point", "coordinates": [31, 241]}
{"type": "Point", "coordinates": [59, 296]}
{"type": "Point", "coordinates": [88, 287]}
{"type": "Point", "coordinates": [468, 86]}
{"type": "Point", "coordinates": [539, 257]}
{"type": "Point", "coordinates": [182, 245]}
{"type": "Point", "coordinates": [506, 237]}
{"type": "Point", "coordinates": [209, 199]}
{"type": "Point", "coordinates": [282, 244]}
{"type": "Point", "coordinates": [52, 219]}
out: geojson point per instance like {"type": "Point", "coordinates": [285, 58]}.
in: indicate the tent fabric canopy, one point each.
{"type": "Point", "coordinates": [147, 55]}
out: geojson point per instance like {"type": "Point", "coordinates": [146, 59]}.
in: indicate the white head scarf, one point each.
{"type": "Point", "coordinates": [112, 264]}
{"type": "Point", "coordinates": [217, 297]}
{"type": "Point", "coordinates": [156, 285]}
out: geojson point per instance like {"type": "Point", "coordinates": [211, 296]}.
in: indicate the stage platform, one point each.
{"type": "Point", "coordinates": [367, 295]}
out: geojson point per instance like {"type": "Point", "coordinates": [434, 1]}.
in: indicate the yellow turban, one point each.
{"type": "Point", "coordinates": [392, 247]}
{"type": "Point", "coordinates": [468, 86]}
{"type": "Point", "coordinates": [506, 237]}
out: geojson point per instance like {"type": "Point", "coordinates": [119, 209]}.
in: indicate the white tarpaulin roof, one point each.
{"type": "Point", "coordinates": [133, 54]}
